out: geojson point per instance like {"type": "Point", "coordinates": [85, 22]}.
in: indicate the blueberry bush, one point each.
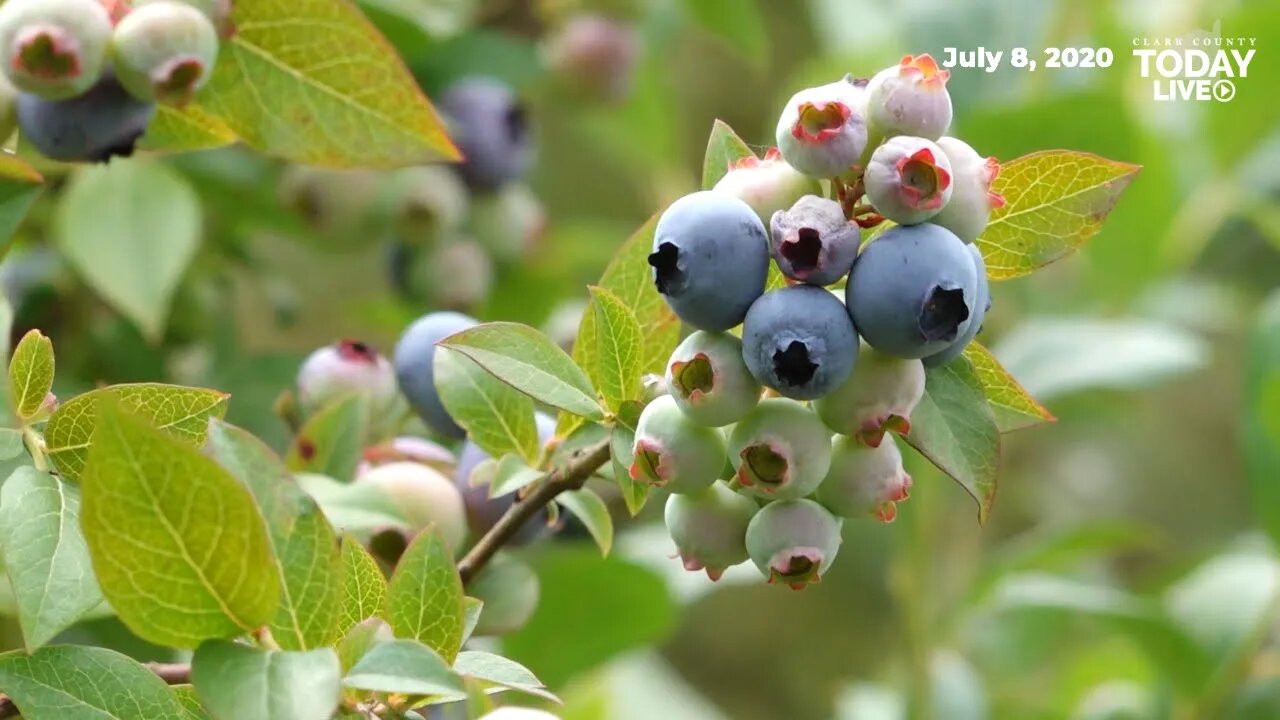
{"type": "Point", "coordinates": [195, 524]}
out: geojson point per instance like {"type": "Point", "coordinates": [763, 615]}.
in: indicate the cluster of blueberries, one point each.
{"type": "Point", "coordinates": [82, 77]}
{"type": "Point", "coordinates": [767, 479]}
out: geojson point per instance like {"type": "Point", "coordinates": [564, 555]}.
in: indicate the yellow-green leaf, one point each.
{"type": "Point", "coordinates": [74, 682]}
{"type": "Point", "coordinates": [618, 354]}
{"type": "Point", "coordinates": [364, 589]}
{"type": "Point", "coordinates": [178, 545]}
{"type": "Point", "coordinates": [332, 441]}
{"type": "Point", "coordinates": [313, 81]}
{"type": "Point", "coordinates": [425, 599]}
{"type": "Point", "coordinates": [1013, 406]}
{"type": "Point", "coordinates": [186, 129]}
{"type": "Point", "coordinates": [1054, 201]}
{"type": "Point", "coordinates": [310, 583]}
{"type": "Point", "coordinates": [724, 148]}
{"type": "Point", "coordinates": [31, 374]}
{"type": "Point", "coordinates": [180, 412]}
{"type": "Point", "coordinates": [496, 416]}
{"type": "Point", "coordinates": [20, 185]}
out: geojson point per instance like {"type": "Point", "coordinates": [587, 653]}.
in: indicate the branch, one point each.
{"type": "Point", "coordinates": [171, 673]}
{"type": "Point", "coordinates": [570, 476]}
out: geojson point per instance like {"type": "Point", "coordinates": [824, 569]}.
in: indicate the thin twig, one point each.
{"type": "Point", "coordinates": [171, 673]}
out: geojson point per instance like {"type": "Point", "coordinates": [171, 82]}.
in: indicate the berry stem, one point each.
{"type": "Point", "coordinates": [570, 476]}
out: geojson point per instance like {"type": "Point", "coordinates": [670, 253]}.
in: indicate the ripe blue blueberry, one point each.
{"type": "Point", "coordinates": [823, 130]}
{"type": "Point", "coordinates": [864, 480]}
{"type": "Point", "coordinates": [908, 179]}
{"type": "Point", "coordinates": [709, 381]}
{"type": "Point", "coordinates": [767, 184]}
{"type": "Point", "coordinates": [345, 367]}
{"type": "Point", "coordinates": [709, 528]}
{"type": "Point", "coordinates": [793, 542]}
{"type": "Point", "coordinates": [972, 200]}
{"type": "Point", "coordinates": [103, 123]}
{"type": "Point", "coordinates": [912, 291]}
{"type": "Point", "coordinates": [484, 512]}
{"type": "Point", "coordinates": [877, 398]}
{"type": "Point", "coordinates": [673, 452]}
{"type": "Point", "coordinates": [909, 98]}
{"type": "Point", "coordinates": [55, 49]}
{"type": "Point", "coordinates": [781, 450]}
{"type": "Point", "coordinates": [164, 51]}
{"type": "Point", "coordinates": [491, 127]}
{"type": "Point", "coordinates": [813, 242]}
{"type": "Point", "coordinates": [710, 259]}
{"type": "Point", "coordinates": [799, 341]}
{"type": "Point", "coordinates": [414, 362]}
{"type": "Point", "coordinates": [980, 308]}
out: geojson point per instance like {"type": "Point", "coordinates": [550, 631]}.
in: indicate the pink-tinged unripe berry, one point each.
{"type": "Point", "coordinates": [673, 452]}
{"type": "Point", "coordinates": [780, 450]}
{"type": "Point", "coordinates": [347, 366]}
{"type": "Point", "coordinates": [164, 51]}
{"type": "Point", "coordinates": [908, 179]}
{"type": "Point", "coordinates": [709, 381]}
{"type": "Point", "coordinates": [767, 184]}
{"type": "Point", "coordinates": [710, 528]}
{"type": "Point", "coordinates": [410, 449]}
{"type": "Point", "coordinates": [909, 98]}
{"type": "Point", "coordinates": [509, 589]}
{"type": "Point", "coordinates": [864, 480]}
{"type": "Point", "coordinates": [877, 398]}
{"type": "Point", "coordinates": [823, 130]}
{"type": "Point", "coordinates": [813, 242]}
{"type": "Point", "coordinates": [972, 200]}
{"type": "Point", "coordinates": [595, 55]}
{"type": "Point", "coordinates": [793, 542]}
{"type": "Point", "coordinates": [424, 497]}
{"type": "Point", "coordinates": [56, 50]}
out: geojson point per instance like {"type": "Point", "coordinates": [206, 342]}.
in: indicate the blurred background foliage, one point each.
{"type": "Point", "coordinates": [1129, 570]}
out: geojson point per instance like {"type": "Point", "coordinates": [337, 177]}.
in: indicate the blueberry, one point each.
{"type": "Point", "coordinates": [710, 259]}
{"type": "Point", "coordinates": [781, 450]}
{"type": "Point", "coordinates": [458, 273]}
{"type": "Point", "coordinates": [909, 98]}
{"type": "Point", "coordinates": [595, 56]}
{"type": "Point", "coordinates": [972, 200]}
{"type": "Point", "coordinates": [877, 398]}
{"type": "Point", "coordinates": [813, 242]}
{"type": "Point", "coordinates": [164, 51]}
{"type": "Point", "coordinates": [793, 542]}
{"type": "Point", "coordinates": [508, 223]}
{"type": "Point", "coordinates": [823, 130]}
{"type": "Point", "coordinates": [864, 480]}
{"type": "Point", "coordinates": [55, 49]}
{"type": "Point", "coordinates": [484, 512]}
{"type": "Point", "coordinates": [709, 528]}
{"type": "Point", "coordinates": [424, 497]}
{"type": "Point", "coordinates": [673, 452]}
{"type": "Point", "coordinates": [102, 123]}
{"type": "Point", "coordinates": [908, 179]}
{"type": "Point", "coordinates": [428, 202]}
{"type": "Point", "coordinates": [509, 589]}
{"type": "Point", "coordinates": [799, 341]}
{"type": "Point", "coordinates": [491, 128]}
{"type": "Point", "coordinates": [218, 11]}
{"type": "Point", "coordinates": [414, 362]}
{"type": "Point", "coordinates": [346, 367]}
{"type": "Point", "coordinates": [912, 291]}
{"type": "Point", "coordinates": [767, 184]}
{"type": "Point", "coordinates": [981, 306]}
{"type": "Point", "coordinates": [709, 381]}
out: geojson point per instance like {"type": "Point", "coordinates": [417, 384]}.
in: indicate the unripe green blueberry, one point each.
{"type": "Point", "coordinates": [348, 366]}
{"type": "Point", "coordinates": [427, 202]}
{"type": "Point", "coordinates": [673, 452]}
{"type": "Point", "coordinates": [781, 450]}
{"type": "Point", "coordinates": [424, 496]}
{"type": "Point", "coordinates": [793, 542]}
{"type": "Point", "coordinates": [218, 11]}
{"type": "Point", "coordinates": [509, 589]}
{"type": "Point", "coordinates": [767, 184]}
{"type": "Point", "coordinates": [563, 323]}
{"type": "Point", "coordinates": [909, 98]}
{"type": "Point", "coordinates": [823, 130]}
{"type": "Point", "coordinates": [339, 205]}
{"type": "Point", "coordinates": [458, 274]}
{"type": "Point", "coordinates": [164, 51]}
{"type": "Point", "coordinates": [967, 212]}
{"type": "Point", "coordinates": [877, 398]}
{"type": "Point", "coordinates": [55, 49]}
{"type": "Point", "coordinates": [908, 179]}
{"type": "Point", "coordinates": [709, 380]}
{"type": "Point", "coordinates": [508, 222]}
{"type": "Point", "coordinates": [709, 528]}
{"type": "Point", "coordinates": [864, 480]}
{"type": "Point", "coordinates": [407, 448]}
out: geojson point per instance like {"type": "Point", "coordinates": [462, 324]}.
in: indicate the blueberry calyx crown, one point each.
{"type": "Point", "coordinates": [943, 312]}
{"type": "Point", "coordinates": [793, 365]}
{"type": "Point", "coordinates": [804, 252]}
{"type": "Point", "coordinates": [667, 275]}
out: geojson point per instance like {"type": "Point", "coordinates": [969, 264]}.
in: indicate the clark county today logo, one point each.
{"type": "Point", "coordinates": [1201, 66]}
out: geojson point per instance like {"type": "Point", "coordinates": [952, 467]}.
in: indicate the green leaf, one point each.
{"type": "Point", "coordinates": [45, 554]}
{"type": "Point", "coordinates": [499, 671]}
{"type": "Point", "coordinates": [594, 514]}
{"type": "Point", "coordinates": [496, 416]}
{"type": "Point", "coordinates": [360, 639]}
{"type": "Point", "coordinates": [31, 374]}
{"type": "Point", "coordinates": [181, 412]}
{"type": "Point", "coordinates": [190, 702]}
{"type": "Point", "coordinates": [309, 564]}
{"type": "Point", "coordinates": [954, 428]}
{"type": "Point", "coordinates": [1012, 405]}
{"type": "Point", "coordinates": [356, 508]}
{"type": "Point", "coordinates": [528, 360]}
{"type": "Point", "coordinates": [173, 574]}
{"type": "Point", "coordinates": [629, 277]}
{"type": "Point", "coordinates": [20, 185]}
{"type": "Point", "coordinates": [84, 683]}
{"type": "Point", "coordinates": [259, 469]}
{"type": "Point", "coordinates": [472, 608]}
{"type": "Point", "coordinates": [512, 474]}
{"type": "Point", "coordinates": [1054, 201]}
{"type": "Point", "coordinates": [331, 442]}
{"type": "Point", "coordinates": [237, 682]}
{"type": "Point", "coordinates": [11, 444]}
{"type": "Point", "coordinates": [364, 589]}
{"type": "Point", "coordinates": [736, 23]}
{"type": "Point", "coordinates": [186, 129]}
{"type": "Point", "coordinates": [618, 353]}
{"type": "Point", "coordinates": [1261, 421]}
{"type": "Point", "coordinates": [130, 229]}
{"type": "Point", "coordinates": [634, 494]}
{"type": "Point", "coordinates": [279, 88]}
{"type": "Point", "coordinates": [724, 148]}
{"type": "Point", "coordinates": [403, 667]}
{"type": "Point", "coordinates": [424, 598]}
